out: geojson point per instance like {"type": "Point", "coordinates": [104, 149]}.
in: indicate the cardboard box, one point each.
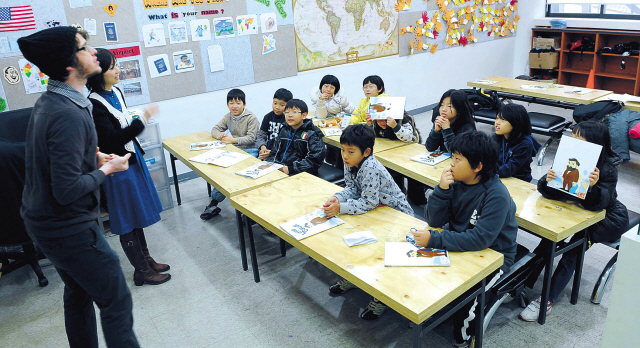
{"type": "Point", "coordinates": [543, 60]}
{"type": "Point", "coordinates": [544, 43]}
{"type": "Point", "coordinates": [554, 81]}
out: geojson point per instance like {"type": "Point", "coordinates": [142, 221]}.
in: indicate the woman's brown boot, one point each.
{"type": "Point", "coordinates": [143, 274]}
{"type": "Point", "coordinates": [158, 267]}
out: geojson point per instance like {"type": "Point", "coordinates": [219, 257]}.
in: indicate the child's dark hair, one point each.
{"type": "Point", "coordinates": [376, 80]}
{"type": "Point", "coordinates": [518, 117]}
{"type": "Point", "coordinates": [236, 94]}
{"type": "Point", "coordinates": [297, 104]}
{"type": "Point", "coordinates": [597, 133]}
{"type": "Point", "coordinates": [283, 94]}
{"type": "Point", "coordinates": [107, 60]}
{"type": "Point", "coordinates": [477, 148]}
{"type": "Point", "coordinates": [330, 80]}
{"type": "Point", "coordinates": [359, 135]}
{"type": "Point", "coordinates": [460, 102]}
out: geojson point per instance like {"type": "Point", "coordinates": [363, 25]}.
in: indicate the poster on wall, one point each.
{"type": "Point", "coordinates": [153, 35]}
{"type": "Point", "coordinates": [216, 61]}
{"type": "Point", "coordinates": [247, 25]}
{"type": "Point", "coordinates": [268, 22]}
{"type": "Point", "coordinates": [34, 80]}
{"type": "Point", "coordinates": [110, 32]}
{"type": "Point", "coordinates": [200, 30]}
{"type": "Point", "coordinates": [129, 69]}
{"type": "Point", "coordinates": [183, 61]}
{"type": "Point", "coordinates": [223, 27]}
{"type": "Point", "coordinates": [178, 32]}
{"type": "Point", "coordinates": [159, 65]}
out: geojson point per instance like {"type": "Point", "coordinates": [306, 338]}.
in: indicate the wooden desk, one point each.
{"type": "Point", "coordinates": [381, 144]}
{"type": "Point", "coordinates": [423, 291]}
{"type": "Point", "coordinates": [510, 85]}
{"type": "Point", "coordinates": [224, 179]}
{"type": "Point", "coordinates": [546, 218]}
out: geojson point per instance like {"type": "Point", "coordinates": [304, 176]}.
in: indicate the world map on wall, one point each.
{"type": "Point", "coordinates": [332, 32]}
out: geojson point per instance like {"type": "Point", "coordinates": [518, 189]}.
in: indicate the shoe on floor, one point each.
{"type": "Point", "coordinates": [532, 311]}
{"type": "Point", "coordinates": [374, 310]}
{"type": "Point", "coordinates": [341, 287]}
{"type": "Point", "coordinates": [209, 212]}
{"type": "Point", "coordinates": [470, 343]}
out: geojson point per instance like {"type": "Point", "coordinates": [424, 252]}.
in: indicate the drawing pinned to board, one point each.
{"type": "Point", "coordinates": [80, 3]}
{"type": "Point", "coordinates": [200, 30]}
{"type": "Point", "coordinates": [153, 35]}
{"type": "Point", "coordinates": [268, 22]}
{"type": "Point", "coordinates": [129, 69]}
{"type": "Point", "coordinates": [216, 62]}
{"type": "Point", "coordinates": [132, 89]}
{"type": "Point", "coordinates": [268, 44]}
{"type": "Point", "coordinates": [159, 65]}
{"type": "Point", "coordinates": [11, 74]}
{"type": "Point", "coordinates": [110, 32]}
{"type": "Point", "coordinates": [223, 27]}
{"type": "Point", "coordinates": [573, 162]}
{"type": "Point", "coordinates": [183, 61]}
{"type": "Point", "coordinates": [52, 23]}
{"type": "Point", "coordinates": [178, 32]}
{"type": "Point", "coordinates": [111, 9]}
{"type": "Point", "coordinates": [247, 24]}
{"type": "Point", "coordinates": [280, 7]}
{"type": "Point", "coordinates": [91, 26]}
{"type": "Point", "coordinates": [34, 80]}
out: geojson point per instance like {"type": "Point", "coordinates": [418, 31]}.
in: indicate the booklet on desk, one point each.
{"type": "Point", "coordinates": [406, 254]}
{"type": "Point", "coordinates": [332, 131]}
{"type": "Point", "coordinates": [535, 87]}
{"type": "Point", "coordinates": [222, 158]}
{"type": "Point", "coordinates": [431, 158]}
{"type": "Point", "coordinates": [259, 169]}
{"type": "Point", "coordinates": [579, 90]}
{"type": "Point", "coordinates": [207, 145]}
{"type": "Point", "coordinates": [573, 162]}
{"type": "Point", "coordinates": [310, 224]}
{"type": "Point", "coordinates": [382, 107]}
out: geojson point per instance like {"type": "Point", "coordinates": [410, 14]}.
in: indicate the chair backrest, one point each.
{"type": "Point", "coordinates": [13, 124]}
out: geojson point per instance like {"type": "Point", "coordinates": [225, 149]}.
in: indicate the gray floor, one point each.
{"type": "Point", "coordinates": [211, 302]}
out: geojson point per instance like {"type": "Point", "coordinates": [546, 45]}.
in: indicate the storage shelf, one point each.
{"type": "Point", "coordinates": [617, 55]}
{"type": "Point", "coordinates": [578, 51]}
{"type": "Point", "coordinates": [617, 76]}
{"type": "Point", "coordinates": [573, 71]}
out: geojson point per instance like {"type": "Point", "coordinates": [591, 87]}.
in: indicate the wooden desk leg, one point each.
{"type": "Point", "coordinates": [577, 276]}
{"type": "Point", "coordinates": [283, 249]}
{"type": "Point", "coordinates": [546, 284]}
{"type": "Point", "coordinates": [416, 330]}
{"type": "Point", "coordinates": [480, 315]}
{"type": "Point", "coordinates": [252, 250]}
{"type": "Point", "coordinates": [243, 247]}
{"type": "Point", "coordinates": [175, 177]}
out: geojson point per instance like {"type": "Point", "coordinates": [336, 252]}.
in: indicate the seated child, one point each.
{"type": "Point", "coordinates": [272, 122]}
{"type": "Point", "coordinates": [328, 100]}
{"type": "Point", "coordinates": [517, 146]}
{"type": "Point", "coordinates": [369, 184]}
{"type": "Point", "coordinates": [299, 147]}
{"type": "Point", "coordinates": [238, 127]}
{"type": "Point", "coordinates": [601, 195]}
{"type": "Point", "coordinates": [475, 211]}
{"type": "Point", "coordinates": [373, 86]}
{"type": "Point", "coordinates": [455, 117]}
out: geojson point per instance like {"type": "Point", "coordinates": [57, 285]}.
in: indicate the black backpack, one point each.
{"type": "Point", "coordinates": [596, 111]}
{"type": "Point", "coordinates": [479, 100]}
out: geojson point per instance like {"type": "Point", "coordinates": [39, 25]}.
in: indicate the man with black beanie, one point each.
{"type": "Point", "coordinates": [64, 170]}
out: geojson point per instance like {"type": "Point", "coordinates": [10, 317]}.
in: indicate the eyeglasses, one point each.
{"type": "Point", "coordinates": [292, 113]}
{"type": "Point", "coordinates": [370, 86]}
{"type": "Point", "coordinates": [85, 47]}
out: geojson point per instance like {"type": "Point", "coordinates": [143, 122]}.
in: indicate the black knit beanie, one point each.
{"type": "Point", "coordinates": [50, 50]}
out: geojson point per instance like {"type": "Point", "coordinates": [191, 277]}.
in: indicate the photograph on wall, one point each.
{"type": "Point", "coordinates": [132, 89]}
{"type": "Point", "coordinates": [200, 30]}
{"type": "Point", "coordinates": [129, 69]}
{"type": "Point", "coordinates": [91, 26]}
{"type": "Point", "coordinates": [153, 35]}
{"type": "Point", "coordinates": [574, 160]}
{"type": "Point", "coordinates": [110, 32]}
{"type": "Point", "coordinates": [183, 61]}
{"type": "Point", "coordinates": [178, 32]}
{"type": "Point", "coordinates": [34, 80]}
{"type": "Point", "coordinates": [159, 65]}
{"type": "Point", "coordinates": [268, 22]}
{"type": "Point", "coordinates": [247, 25]}
{"type": "Point", "coordinates": [223, 27]}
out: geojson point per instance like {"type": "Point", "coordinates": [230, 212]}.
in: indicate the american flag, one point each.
{"type": "Point", "coordinates": [16, 18]}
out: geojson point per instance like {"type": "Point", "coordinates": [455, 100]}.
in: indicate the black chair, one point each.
{"type": "Point", "coordinates": [609, 269]}
{"type": "Point", "coordinates": [16, 248]}
{"type": "Point", "coordinates": [331, 174]}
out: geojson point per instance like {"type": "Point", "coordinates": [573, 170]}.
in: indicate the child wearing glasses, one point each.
{"type": "Point", "coordinates": [373, 86]}
{"type": "Point", "coordinates": [455, 116]}
{"type": "Point", "coordinates": [299, 146]}
{"type": "Point", "coordinates": [369, 184]}
{"type": "Point", "coordinates": [238, 127]}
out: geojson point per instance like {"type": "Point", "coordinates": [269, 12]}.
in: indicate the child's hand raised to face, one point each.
{"type": "Point", "coordinates": [447, 179]}
{"type": "Point", "coordinates": [367, 117]}
{"type": "Point", "coordinates": [551, 174]}
{"type": "Point", "coordinates": [443, 122]}
{"type": "Point", "coordinates": [594, 176]}
{"type": "Point", "coordinates": [391, 122]}
{"type": "Point", "coordinates": [332, 207]}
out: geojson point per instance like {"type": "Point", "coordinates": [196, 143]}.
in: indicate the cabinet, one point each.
{"type": "Point", "coordinates": [151, 142]}
{"type": "Point", "coordinates": [608, 75]}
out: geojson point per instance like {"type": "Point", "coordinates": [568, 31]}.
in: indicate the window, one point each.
{"type": "Point", "coordinates": [611, 9]}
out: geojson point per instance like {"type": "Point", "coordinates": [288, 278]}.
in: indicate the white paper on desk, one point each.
{"type": "Point", "coordinates": [383, 107]}
{"type": "Point", "coordinates": [486, 82]}
{"type": "Point", "coordinates": [332, 131]}
{"type": "Point", "coordinates": [310, 224]}
{"type": "Point", "coordinates": [259, 169]}
{"type": "Point", "coordinates": [360, 238]}
{"type": "Point", "coordinates": [574, 160]}
{"type": "Point", "coordinates": [625, 98]}
{"type": "Point", "coordinates": [207, 145]}
{"type": "Point", "coordinates": [222, 158]}
{"type": "Point", "coordinates": [431, 158]}
{"type": "Point", "coordinates": [579, 90]}
{"type": "Point", "coordinates": [216, 61]}
{"type": "Point", "coordinates": [406, 254]}
{"type": "Point", "coordinates": [535, 87]}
